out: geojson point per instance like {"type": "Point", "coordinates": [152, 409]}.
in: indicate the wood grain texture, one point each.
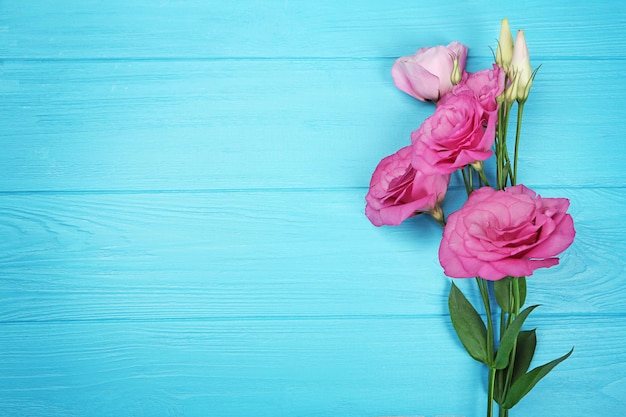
{"type": "Point", "coordinates": [291, 367]}
{"type": "Point", "coordinates": [287, 124]}
{"type": "Point", "coordinates": [297, 28]}
{"type": "Point", "coordinates": [259, 254]}
{"type": "Point", "coordinates": [181, 204]}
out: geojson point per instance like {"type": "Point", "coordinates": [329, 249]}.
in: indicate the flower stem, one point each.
{"type": "Point", "coordinates": [468, 189]}
{"type": "Point", "coordinates": [483, 177]}
{"type": "Point", "coordinates": [490, 389]}
{"type": "Point", "coordinates": [484, 292]}
{"type": "Point", "coordinates": [503, 169]}
{"type": "Point", "coordinates": [518, 131]}
{"type": "Point", "coordinates": [515, 308]}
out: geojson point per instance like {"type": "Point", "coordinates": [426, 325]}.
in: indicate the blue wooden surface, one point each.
{"type": "Point", "coordinates": [181, 204]}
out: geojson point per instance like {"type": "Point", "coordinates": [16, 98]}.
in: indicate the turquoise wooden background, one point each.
{"type": "Point", "coordinates": [181, 209]}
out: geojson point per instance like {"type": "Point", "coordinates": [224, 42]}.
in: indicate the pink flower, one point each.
{"type": "Point", "coordinates": [426, 75]}
{"type": "Point", "coordinates": [459, 133]}
{"type": "Point", "coordinates": [505, 233]}
{"type": "Point", "coordinates": [486, 85]}
{"type": "Point", "coordinates": [399, 191]}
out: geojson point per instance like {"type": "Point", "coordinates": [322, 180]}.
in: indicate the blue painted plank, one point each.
{"type": "Point", "coordinates": [238, 368]}
{"type": "Point", "coordinates": [264, 254]}
{"type": "Point", "coordinates": [275, 124]}
{"type": "Point", "coordinates": [262, 289]}
{"type": "Point", "coordinates": [207, 29]}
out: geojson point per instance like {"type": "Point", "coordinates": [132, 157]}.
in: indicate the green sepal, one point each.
{"type": "Point", "coordinates": [509, 338]}
{"type": "Point", "coordinates": [503, 288]}
{"type": "Point", "coordinates": [468, 325]}
{"type": "Point", "coordinates": [526, 382]}
{"type": "Point", "coordinates": [524, 352]}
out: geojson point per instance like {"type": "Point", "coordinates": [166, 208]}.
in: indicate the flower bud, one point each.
{"type": "Point", "coordinates": [437, 214]}
{"type": "Point", "coordinates": [477, 165]}
{"type": "Point", "coordinates": [504, 53]}
{"type": "Point", "coordinates": [510, 94]}
{"type": "Point", "coordinates": [455, 76]}
{"type": "Point", "coordinates": [520, 66]}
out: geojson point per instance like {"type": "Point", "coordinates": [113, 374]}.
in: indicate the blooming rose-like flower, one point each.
{"type": "Point", "coordinates": [505, 233]}
{"type": "Point", "coordinates": [426, 75]}
{"type": "Point", "coordinates": [399, 191]}
{"type": "Point", "coordinates": [459, 133]}
{"type": "Point", "coordinates": [486, 86]}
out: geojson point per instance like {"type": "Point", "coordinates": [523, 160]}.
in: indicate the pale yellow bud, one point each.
{"type": "Point", "coordinates": [477, 165]}
{"type": "Point", "coordinates": [504, 53]}
{"type": "Point", "coordinates": [520, 66]}
{"type": "Point", "coordinates": [455, 76]}
{"type": "Point", "coordinates": [510, 94]}
{"type": "Point", "coordinates": [437, 214]}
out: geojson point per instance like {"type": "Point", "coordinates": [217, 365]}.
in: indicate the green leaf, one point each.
{"type": "Point", "coordinates": [498, 388]}
{"type": "Point", "coordinates": [503, 289]}
{"type": "Point", "coordinates": [526, 343]}
{"type": "Point", "coordinates": [468, 325]}
{"type": "Point", "coordinates": [526, 382]}
{"type": "Point", "coordinates": [524, 352]}
{"type": "Point", "coordinates": [509, 338]}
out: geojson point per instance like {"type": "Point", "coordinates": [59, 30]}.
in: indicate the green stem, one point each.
{"type": "Point", "coordinates": [502, 322]}
{"type": "Point", "coordinates": [515, 308]}
{"type": "Point", "coordinates": [484, 293]}
{"type": "Point", "coordinates": [516, 293]}
{"type": "Point", "coordinates": [465, 181]}
{"type": "Point", "coordinates": [483, 177]}
{"type": "Point", "coordinates": [518, 131]}
{"type": "Point", "coordinates": [503, 165]}
{"type": "Point", "coordinates": [490, 389]}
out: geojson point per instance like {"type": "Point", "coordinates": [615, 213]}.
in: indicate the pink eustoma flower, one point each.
{"type": "Point", "coordinates": [459, 133]}
{"type": "Point", "coordinates": [399, 191]}
{"type": "Point", "coordinates": [505, 233]}
{"type": "Point", "coordinates": [486, 85]}
{"type": "Point", "coordinates": [426, 74]}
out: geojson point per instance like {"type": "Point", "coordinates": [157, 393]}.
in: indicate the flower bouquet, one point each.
{"type": "Point", "coordinates": [504, 231]}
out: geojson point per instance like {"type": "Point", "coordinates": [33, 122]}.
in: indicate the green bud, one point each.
{"type": "Point", "coordinates": [437, 214]}
{"type": "Point", "coordinates": [477, 165]}
{"type": "Point", "coordinates": [456, 75]}
{"type": "Point", "coordinates": [504, 53]}
{"type": "Point", "coordinates": [510, 94]}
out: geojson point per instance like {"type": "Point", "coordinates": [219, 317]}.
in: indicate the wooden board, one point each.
{"type": "Point", "coordinates": [323, 366]}
{"type": "Point", "coordinates": [275, 124]}
{"type": "Point", "coordinates": [259, 254]}
{"type": "Point", "coordinates": [141, 29]}
{"type": "Point", "coordinates": [181, 209]}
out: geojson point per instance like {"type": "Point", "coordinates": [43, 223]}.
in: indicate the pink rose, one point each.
{"type": "Point", "coordinates": [459, 133]}
{"type": "Point", "coordinates": [399, 191]}
{"type": "Point", "coordinates": [426, 75]}
{"type": "Point", "coordinates": [486, 85]}
{"type": "Point", "coordinates": [505, 233]}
